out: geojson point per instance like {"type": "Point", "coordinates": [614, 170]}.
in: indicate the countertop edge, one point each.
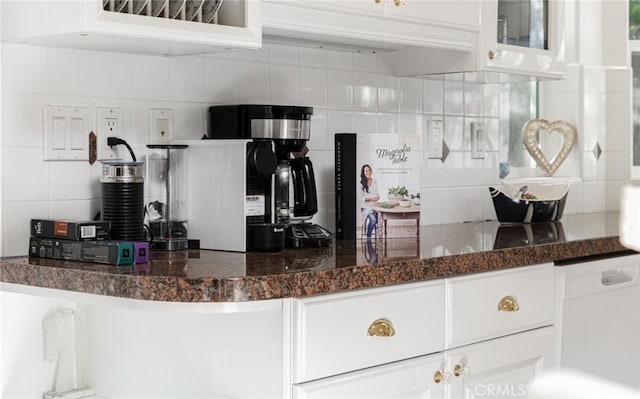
{"type": "Point", "coordinates": [298, 284]}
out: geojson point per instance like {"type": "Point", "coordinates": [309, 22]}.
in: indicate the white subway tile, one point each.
{"type": "Point", "coordinates": [452, 210]}
{"type": "Point", "coordinates": [618, 80]}
{"type": "Point", "coordinates": [313, 56]}
{"type": "Point", "coordinates": [575, 199]}
{"type": "Point", "coordinates": [474, 204]}
{"type": "Point", "coordinates": [410, 124]}
{"type": "Point", "coordinates": [320, 138]}
{"type": "Point", "coordinates": [70, 181]}
{"type": "Point", "coordinates": [313, 86]}
{"type": "Point", "coordinates": [454, 132]}
{"type": "Point", "coordinates": [186, 79]}
{"type": "Point", "coordinates": [389, 123]}
{"type": "Point", "coordinates": [617, 166]}
{"type": "Point", "coordinates": [617, 107]}
{"type": "Point", "coordinates": [385, 62]}
{"type": "Point", "coordinates": [410, 95]}
{"type": "Point", "coordinates": [340, 89]}
{"type": "Point", "coordinates": [431, 206]}
{"type": "Point", "coordinates": [365, 61]}
{"type": "Point", "coordinates": [473, 99]}
{"type": "Point", "coordinates": [491, 105]}
{"type": "Point", "coordinates": [388, 93]}
{"type": "Point", "coordinates": [32, 183]}
{"type": "Point", "coordinates": [340, 59]}
{"type": "Point", "coordinates": [340, 122]}
{"type": "Point", "coordinates": [253, 82]}
{"type": "Point", "coordinates": [256, 55]}
{"type": "Point", "coordinates": [16, 230]}
{"type": "Point", "coordinates": [365, 91]}
{"type": "Point", "coordinates": [110, 74]}
{"type": "Point", "coordinates": [365, 122]}
{"type": "Point", "coordinates": [432, 96]}
{"type": "Point", "coordinates": [612, 198]}
{"type": "Point", "coordinates": [618, 136]}
{"type": "Point", "coordinates": [453, 97]}
{"type": "Point", "coordinates": [24, 69]}
{"type": "Point", "coordinates": [285, 86]}
{"type": "Point", "coordinates": [188, 120]}
{"type": "Point", "coordinates": [594, 196]}
{"type": "Point", "coordinates": [69, 72]}
{"type": "Point", "coordinates": [149, 77]}
{"type": "Point", "coordinates": [221, 80]}
{"type": "Point", "coordinates": [284, 54]}
{"type": "Point", "coordinates": [73, 209]}
{"type": "Point", "coordinates": [22, 123]}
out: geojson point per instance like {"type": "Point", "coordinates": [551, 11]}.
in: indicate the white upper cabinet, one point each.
{"type": "Point", "coordinates": [388, 24]}
{"type": "Point", "coordinates": [159, 27]}
{"type": "Point", "coordinates": [517, 38]}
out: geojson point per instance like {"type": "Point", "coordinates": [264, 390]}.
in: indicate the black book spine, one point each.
{"type": "Point", "coordinates": [345, 179]}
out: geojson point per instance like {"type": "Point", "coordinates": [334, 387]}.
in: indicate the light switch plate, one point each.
{"type": "Point", "coordinates": [435, 137]}
{"type": "Point", "coordinates": [477, 140]}
{"type": "Point", "coordinates": [66, 133]}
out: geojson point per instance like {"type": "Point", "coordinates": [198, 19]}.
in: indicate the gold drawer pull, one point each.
{"type": "Point", "coordinates": [508, 304]}
{"type": "Point", "coordinates": [460, 370]}
{"type": "Point", "coordinates": [381, 328]}
{"type": "Point", "coordinates": [437, 377]}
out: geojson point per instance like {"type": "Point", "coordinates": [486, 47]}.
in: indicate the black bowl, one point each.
{"type": "Point", "coordinates": [513, 210]}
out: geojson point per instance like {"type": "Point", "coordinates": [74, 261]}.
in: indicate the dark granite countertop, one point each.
{"type": "Point", "coordinates": [440, 251]}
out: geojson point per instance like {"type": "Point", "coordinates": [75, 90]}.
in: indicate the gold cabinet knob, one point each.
{"type": "Point", "coordinates": [439, 377]}
{"type": "Point", "coordinates": [492, 54]}
{"type": "Point", "coordinates": [508, 304]}
{"type": "Point", "coordinates": [381, 328]}
{"type": "Point", "coordinates": [460, 370]}
{"type": "Point", "coordinates": [377, 1]}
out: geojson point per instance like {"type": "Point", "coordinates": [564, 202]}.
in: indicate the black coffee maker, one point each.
{"type": "Point", "coordinates": [278, 170]}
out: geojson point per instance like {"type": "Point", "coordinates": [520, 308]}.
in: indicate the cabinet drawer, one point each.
{"type": "Point", "coordinates": [411, 378]}
{"type": "Point", "coordinates": [330, 333]}
{"type": "Point", "coordinates": [473, 303]}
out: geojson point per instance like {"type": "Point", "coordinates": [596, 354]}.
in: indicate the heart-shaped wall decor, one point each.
{"type": "Point", "coordinates": [530, 137]}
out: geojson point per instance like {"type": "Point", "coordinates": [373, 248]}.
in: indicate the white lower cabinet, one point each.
{"type": "Point", "coordinates": [500, 367]}
{"type": "Point", "coordinates": [485, 334]}
{"type": "Point", "coordinates": [411, 378]}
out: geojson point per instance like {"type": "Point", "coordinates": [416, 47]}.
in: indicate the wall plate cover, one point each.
{"type": "Point", "coordinates": [66, 131]}
{"type": "Point", "coordinates": [160, 125]}
{"type": "Point", "coordinates": [109, 122]}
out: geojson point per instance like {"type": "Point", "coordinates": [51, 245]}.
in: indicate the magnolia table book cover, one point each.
{"type": "Point", "coordinates": [387, 184]}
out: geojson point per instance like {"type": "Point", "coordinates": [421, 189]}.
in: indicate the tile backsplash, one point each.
{"type": "Point", "coordinates": [351, 91]}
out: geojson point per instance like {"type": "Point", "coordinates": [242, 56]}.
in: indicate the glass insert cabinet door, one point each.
{"type": "Point", "coordinates": [523, 23]}
{"type": "Point", "coordinates": [527, 36]}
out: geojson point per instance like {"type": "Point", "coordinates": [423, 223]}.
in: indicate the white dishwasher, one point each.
{"type": "Point", "coordinates": [598, 317]}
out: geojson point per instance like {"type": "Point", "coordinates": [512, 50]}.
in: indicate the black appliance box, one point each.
{"type": "Point", "coordinates": [71, 230]}
{"type": "Point", "coordinates": [107, 252]}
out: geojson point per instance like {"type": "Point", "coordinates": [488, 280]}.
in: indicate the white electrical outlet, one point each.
{"type": "Point", "coordinates": [110, 124]}
{"type": "Point", "coordinates": [160, 125]}
{"type": "Point", "coordinates": [435, 136]}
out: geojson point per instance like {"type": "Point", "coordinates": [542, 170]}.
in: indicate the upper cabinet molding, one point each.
{"type": "Point", "coordinates": [440, 24]}
{"type": "Point", "coordinates": [517, 39]}
{"type": "Point", "coordinates": [84, 24]}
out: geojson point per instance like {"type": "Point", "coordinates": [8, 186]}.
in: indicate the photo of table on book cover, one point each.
{"type": "Point", "coordinates": [377, 185]}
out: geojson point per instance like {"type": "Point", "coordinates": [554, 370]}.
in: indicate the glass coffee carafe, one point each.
{"type": "Point", "coordinates": [166, 210]}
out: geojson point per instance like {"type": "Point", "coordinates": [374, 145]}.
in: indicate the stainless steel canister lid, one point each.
{"type": "Point", "coordinates": [122, 172]}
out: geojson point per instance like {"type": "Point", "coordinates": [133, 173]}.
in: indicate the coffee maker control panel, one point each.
{"type": "Point", "coordinates": [305, 235]}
